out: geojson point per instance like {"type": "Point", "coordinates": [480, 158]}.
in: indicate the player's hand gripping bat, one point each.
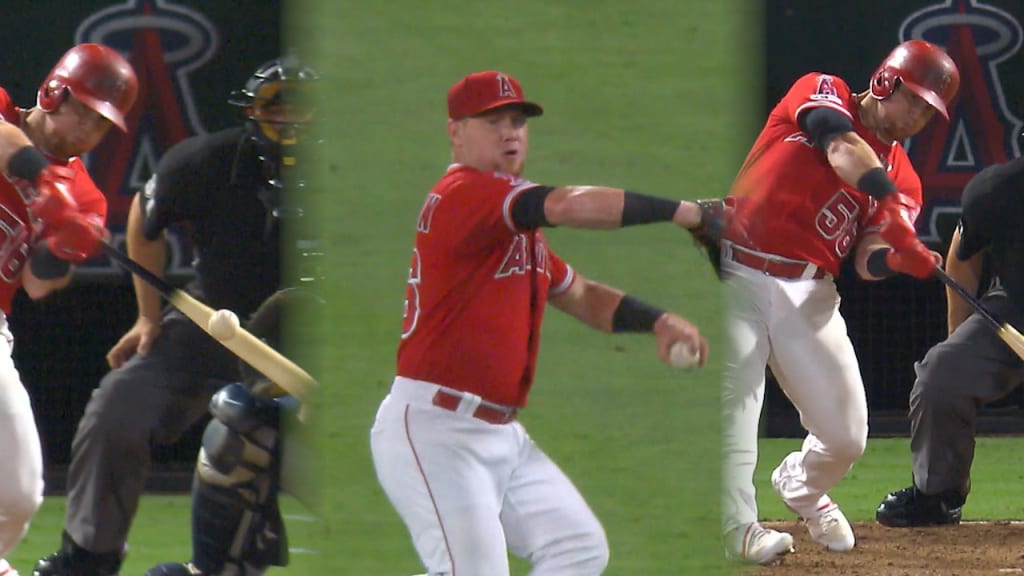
{"type": "Point", "coordinates": [257, 353]}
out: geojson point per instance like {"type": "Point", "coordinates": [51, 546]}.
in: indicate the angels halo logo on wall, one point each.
{"type": "Point", "coordinates": [982, 130]}
{"type": "Point", "coordinates": [164, 42]}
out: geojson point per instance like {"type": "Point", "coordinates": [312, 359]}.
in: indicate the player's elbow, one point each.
{"type": "Point", "coordinates": [37, 288]}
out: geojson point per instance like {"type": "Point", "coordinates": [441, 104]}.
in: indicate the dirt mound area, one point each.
{"type": "Point", "coordinates": [968, 549]}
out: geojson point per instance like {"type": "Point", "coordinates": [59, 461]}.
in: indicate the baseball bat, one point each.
{"type": "Point", "coordinates": [1007, 333]}
{"type": "Point", "coordinates": [257, 353]}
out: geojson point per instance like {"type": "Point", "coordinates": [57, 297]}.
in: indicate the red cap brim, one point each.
{"type": "Point", "coordinates": [103, 108]}
{"type": "Point", "coordinates": [529, 108]}
{"type": "Point", "coordinates": [929, 96]}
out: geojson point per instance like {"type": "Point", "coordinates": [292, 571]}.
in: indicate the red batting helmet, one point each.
{"type": "Point", "coordinates": [922, 67]}
{"type": "Point", "coordinates": [97, 76]}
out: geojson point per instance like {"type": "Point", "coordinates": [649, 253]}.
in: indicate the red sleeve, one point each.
{"type": "Point", "coordinates": [817, 90]}
{"type": "Point", "coordinates": [7, 108]}
{"type": "Point", "coordinates": [477, 209]}
{"type": "Point", "coordinates": [562, 275]}
{"type": "Point", "coordinates": [87, 195]}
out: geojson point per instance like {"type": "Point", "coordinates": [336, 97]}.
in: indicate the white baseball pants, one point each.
{"type": "Point", "coordinates": [470, 491]}
{"type": "Point", "coordinates": [21, 490]}
{"type": "Point", "coordinates": [793, 326]}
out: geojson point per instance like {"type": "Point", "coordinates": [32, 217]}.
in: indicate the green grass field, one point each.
{"type": "Point", "coordinates": [334, 544]}
{"type": "Point", "coordinates": [629, 103]}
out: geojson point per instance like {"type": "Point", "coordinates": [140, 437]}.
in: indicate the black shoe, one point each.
{"type": "Point", "coordinates": [174, 569]}
{"type": "Point", "coordinates": [910, 508]}
{"type": "Point", "coordinates": [73, 560]}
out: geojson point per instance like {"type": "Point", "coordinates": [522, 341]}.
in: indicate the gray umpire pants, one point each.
{"type": "Point", "coordinates": [151, 400]}
{"type": "Point", "coordinates": [957, 376]}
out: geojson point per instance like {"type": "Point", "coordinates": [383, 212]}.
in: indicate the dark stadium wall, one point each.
{"type": "Point", "coordinates": [188, 55]}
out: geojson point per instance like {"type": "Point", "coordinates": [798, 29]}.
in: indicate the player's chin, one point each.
{"type": "Point", "coordinates": [512, 164]}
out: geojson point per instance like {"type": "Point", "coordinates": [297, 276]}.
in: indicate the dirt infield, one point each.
{"type": "Point", "coordinates": [965, 550]}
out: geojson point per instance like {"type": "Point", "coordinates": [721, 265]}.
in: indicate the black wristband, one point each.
{"type": "Point", "coordinates": [46, 265]}
{"type": "Point", "coordinates": [632, 315]}
{"type": "Point", "coordinates": [26, 163]}
{"type": "Point", "coordinates": [877, 264]}
{"type": "Point", "coordinates": [643, 209]}
{"type": "Point", "coordinates": [876, 183]}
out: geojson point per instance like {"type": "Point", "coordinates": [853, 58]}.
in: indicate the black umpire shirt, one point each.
{"type": "Point", "coordinates": [993, 218]}
{"type": "Point", "coordinates": [213, 184]}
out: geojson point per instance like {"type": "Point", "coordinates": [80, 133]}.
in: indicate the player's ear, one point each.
{"type": "Point", "coordinates": [454, 128]}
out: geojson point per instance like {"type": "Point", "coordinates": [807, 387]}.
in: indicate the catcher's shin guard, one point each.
{"type": "Point", "coordinates": [237, 528]}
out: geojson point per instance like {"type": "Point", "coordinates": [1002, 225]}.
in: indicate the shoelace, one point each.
{"type": "Point", "coordinates": [828, 521]}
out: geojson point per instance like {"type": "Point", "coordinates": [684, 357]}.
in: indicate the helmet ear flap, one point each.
{"type": "Point", "coordinates": [884, 83]}
{"type": "Point", "coordinates": [52, 95]}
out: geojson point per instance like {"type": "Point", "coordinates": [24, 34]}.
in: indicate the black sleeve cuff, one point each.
{"type": "Point", "coordinates": [877, 264]}
{"type": "Point", "coordinates": [822, 124]}
{"type": "Point", "coordinates": [528, 208]}
{"type": "Point", "coordinates": [45, 265]}
{"type": "Point", "coordinates": [26, 163]}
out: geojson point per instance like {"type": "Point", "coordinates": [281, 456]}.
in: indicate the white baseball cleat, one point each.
{"type": "Point", "coordinates": [6, 569]}
{"type": "Point", "coordinates": [756, 544]}
{"type": "Point", "coordinates": [830, 528]}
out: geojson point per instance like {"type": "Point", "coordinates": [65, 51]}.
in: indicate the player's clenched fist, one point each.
{"type": "Point", "coordinates": [76, 237]}
{"type": "Point", "coordinates": [917, 260]}
{"type": "Point", "coordinates": [53, 203]}
{"type": "Point", "coordinates": [670, 328]}
{"type": "Point", "coordinates": [908, 256]}
{"type": "Point", "coordinates": [900, 211]}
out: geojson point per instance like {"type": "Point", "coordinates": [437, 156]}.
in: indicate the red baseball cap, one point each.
{"type": "Point", "coordinates": [483, 91]}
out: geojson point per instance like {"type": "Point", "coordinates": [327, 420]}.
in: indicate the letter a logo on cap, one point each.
{"type": "Point", "coordinates": [505, 89]}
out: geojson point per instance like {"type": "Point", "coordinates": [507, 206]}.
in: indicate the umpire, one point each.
{"type": "Point", "coordinates": [165, 369]}
{"type": "Point", "coordinates": [972, 366]}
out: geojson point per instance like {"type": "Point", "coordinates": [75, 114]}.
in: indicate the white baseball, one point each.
{"type": "Point", "coordinates": [681, 356]}
{"type": "Point", "coordinates": [223, 325]}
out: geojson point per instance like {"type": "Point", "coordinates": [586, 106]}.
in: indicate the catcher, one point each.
{"type": "Point", "coordinates": [243, 465]}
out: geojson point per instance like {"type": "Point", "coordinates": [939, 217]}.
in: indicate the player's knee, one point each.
{"type": "Point", "coordinates": [850, 447]}
{"type": "Point", "coordinates": [113, 418]}
{"type": "Point", "coordinates": [594, 552]}
{"type": "Point", "coordinates": [19, 502]}
{"type": "Point", "coordinates": [586, 553]}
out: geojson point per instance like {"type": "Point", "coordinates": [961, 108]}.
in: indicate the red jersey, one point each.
{"type": "Point", "coordinates": [791, 202]}
{"type": "Point", "coordinates": [18, 232]}
{"type": "Point", "coordinates": [477, 289]}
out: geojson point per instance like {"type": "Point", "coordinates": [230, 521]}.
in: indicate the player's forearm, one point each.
{"type": "Point", "coordinates": [867, 246]}
{"type": "Point", "coordinates": [152, 254]}
{"type": "Point", "coordinates": [12, 139]}
{"type": "Point", "coordinates": [851, 157]}
{"type": "Point", "coordinates": [600, 207]}
{"type": "Point", "coordinates": [968, 274]}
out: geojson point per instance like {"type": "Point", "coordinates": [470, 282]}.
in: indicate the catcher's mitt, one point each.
{"type": "Point", "coordinates": [714, 214]}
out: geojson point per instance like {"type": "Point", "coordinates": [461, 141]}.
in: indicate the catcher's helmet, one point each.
{"type": "Point", "coordinates": [922, 67]}
{"type": "Point", "coordinates": [280, 315]}
{"type": "Point", "coordinates": [277, 83]}
{"type": "Point", "coordinates": [97, 76]}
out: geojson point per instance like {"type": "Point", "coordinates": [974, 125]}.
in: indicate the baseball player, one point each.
{"type": "Point", "coordinates": [449, 452]}
{"type": "Point", "coordinates": [972, 366]}
{"type": "Point", "coordinates": [52, 216]}
{"type": "Point", "coordinates": [165, 369]}
{"type": "Point", "coordinates": [826, 178]}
